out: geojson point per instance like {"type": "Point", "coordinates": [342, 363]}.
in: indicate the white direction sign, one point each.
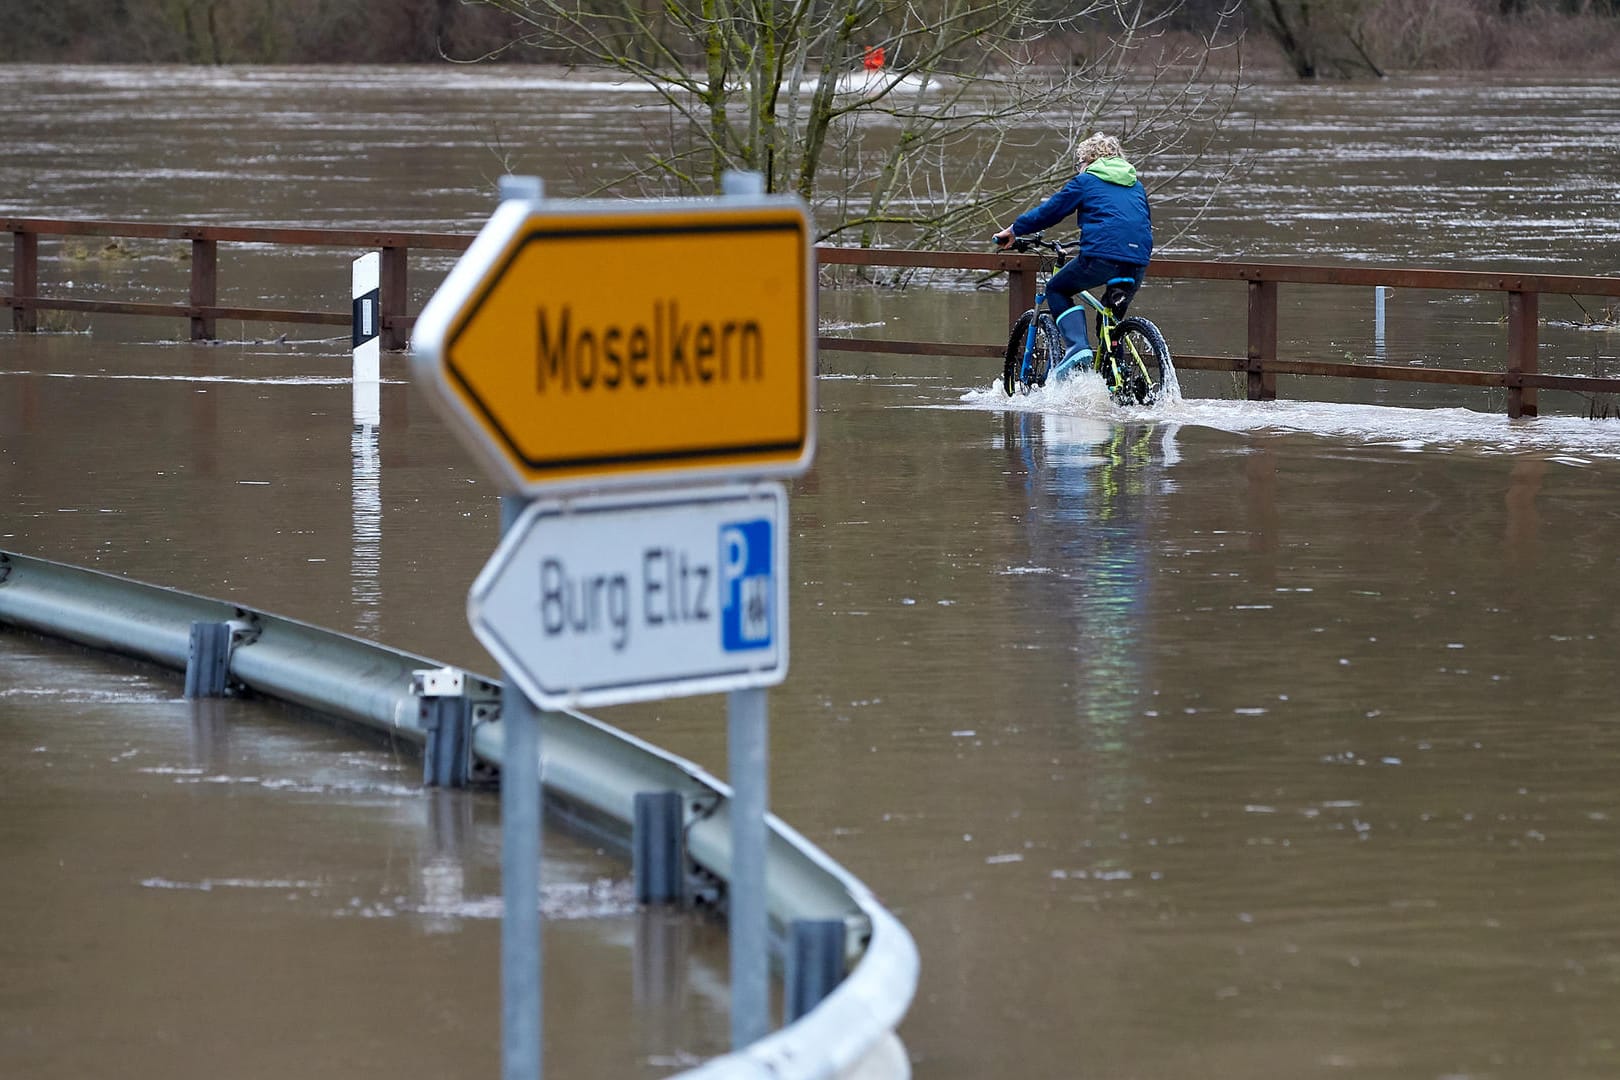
{"type": "Point", "coordinates": [607, 599]}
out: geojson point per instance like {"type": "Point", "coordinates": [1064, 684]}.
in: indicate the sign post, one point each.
{"type": "Point", "coordinates": [747, 743]}
{"type": "Point", "coordinates": [637, 429]}
{"type": "Point", "coordinates": [748, 914]}
{"type": "Point", "coordinates": [522, 1012]}
{"type": "Point", "coordinates": [522, 966]}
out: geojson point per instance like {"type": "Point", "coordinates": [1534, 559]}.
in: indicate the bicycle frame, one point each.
{"type": "Point", "coordinates": [1107, 323]}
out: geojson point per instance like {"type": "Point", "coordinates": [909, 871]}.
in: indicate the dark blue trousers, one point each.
{"type": "Point", "coordinates": [1081, 274]}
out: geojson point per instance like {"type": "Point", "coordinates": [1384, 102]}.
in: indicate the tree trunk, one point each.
{"type": "Point", "coordinates": [715, 97]}
{"type": "Point", "coordinates": [1294, 36]}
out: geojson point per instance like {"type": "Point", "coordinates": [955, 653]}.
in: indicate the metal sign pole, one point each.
{"type": "Point", "coordinates": [747, 741]}
{"type": "Point", "coordinates": [746, 744]}
{"type": "Point", "coordinates": [522, 1012]}
{"type": "Point", "coordinates": [521, 1007]}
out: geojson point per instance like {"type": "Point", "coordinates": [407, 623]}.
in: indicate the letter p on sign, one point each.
{"type": "Point", "coordinates": [745, 583]}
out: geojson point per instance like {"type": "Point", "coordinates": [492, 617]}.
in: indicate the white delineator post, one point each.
{"type": "Point", "coordinates": [1380, 296]}
{"type": "Point", "coordinates": [367, 278]}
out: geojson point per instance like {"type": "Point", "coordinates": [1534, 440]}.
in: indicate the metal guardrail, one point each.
{"type": "Point", "coordinates": [1261, 363]}
{"type": "Point", "coordinates": [586, 766]}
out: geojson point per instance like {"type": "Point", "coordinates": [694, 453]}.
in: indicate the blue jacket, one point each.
{"type": "Point", "coordinates": [1110, 206]}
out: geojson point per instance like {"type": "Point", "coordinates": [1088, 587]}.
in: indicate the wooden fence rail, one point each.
{"type": "Point", "coordinates": [1519, 376]}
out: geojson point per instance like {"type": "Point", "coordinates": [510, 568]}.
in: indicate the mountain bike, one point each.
{"type": "Point", "coordinates": [1131, 357]}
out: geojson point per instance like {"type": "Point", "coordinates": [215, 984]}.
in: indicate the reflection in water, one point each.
{"type": "Point", "coordinates": [1170, 450]}
{"type": "Point", "coordinates": [1261, 471]}
{"type": "Point", "coordinates": [662, 973]}
{"type": "Point", "coordinates": [365, 557]}
{"type": "Point", "coordinates": [210, 735]}
{"type": "Point", "coordinates": [1090, 520]}
{"type": "Point", "coordinates": [441, 875]}
{"type": "Point", "coordinates": [1524, 484]}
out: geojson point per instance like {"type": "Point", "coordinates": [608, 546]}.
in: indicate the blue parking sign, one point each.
{"type": "Point", "coordinates": [747, 585]}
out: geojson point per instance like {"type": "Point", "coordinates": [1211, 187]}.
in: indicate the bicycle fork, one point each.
{"type": "Point", "coordinates": [1025, 366]}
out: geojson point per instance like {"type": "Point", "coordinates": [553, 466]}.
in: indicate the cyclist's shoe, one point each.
{"type": "Point", "coordinates": [1078, 357]}
{"type": "Point", "coordinates": [1071, 326]}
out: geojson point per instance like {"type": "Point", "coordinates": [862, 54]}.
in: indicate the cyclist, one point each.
{"type": "Point", "coordinates": [1116, 236]}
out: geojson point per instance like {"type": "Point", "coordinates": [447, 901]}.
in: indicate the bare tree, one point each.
{"type": "Point", "coordinates": [795, 90]}
{"type": "Point", "coordinates": [1321, 37]}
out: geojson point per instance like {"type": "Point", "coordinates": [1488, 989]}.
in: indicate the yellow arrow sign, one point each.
{"type": "Point", "coordinates": [591, 344]}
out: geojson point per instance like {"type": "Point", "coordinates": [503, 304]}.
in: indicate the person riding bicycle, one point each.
{"type": "Point", "coordinates": [1116, 236]}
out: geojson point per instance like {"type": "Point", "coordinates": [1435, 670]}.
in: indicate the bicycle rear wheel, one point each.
{"type": "Point", "coordinates": [1018, 375]}
{"type": "Point", "coordinates": [1143, 360]}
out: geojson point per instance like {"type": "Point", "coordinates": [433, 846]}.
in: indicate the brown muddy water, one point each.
{"type": "Point", "coordinates": [1228, 739]}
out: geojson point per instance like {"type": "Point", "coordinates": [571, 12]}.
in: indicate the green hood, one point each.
{"type": "Point", "coordinates": [1115, 170]}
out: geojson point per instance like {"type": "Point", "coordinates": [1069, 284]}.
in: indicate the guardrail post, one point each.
{"type": "Point", "coordinates": [208, 659]}
{"type": "Point", "coordinates": [445, 758]}
{"type": "Point", "coordinates": [658, 855]}
{"type": "Point", "coordinates": [24, 281]}
{"type": "Point", "coordinates": [1522, 350]}
{"type": "Point", "coordinates": [1262, 340]}
{"type": "Point", "coordinates": [452, 702]}
{"type": "Point", "coordinates": [391, 296]}
{"type": "Point", "coordinates": [204, 287]}
{"type": "Point", "coordinates": [815, 964]}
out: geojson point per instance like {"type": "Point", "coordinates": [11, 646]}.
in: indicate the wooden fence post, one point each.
{"type": "Point", "coordinates": [24, 280]}
{"type": "Point", "coordinates": [1262, 340]}
{"type": "Point", "coordinates": [391, 296]}
{"type": "Point", "coordinates": [1020, 293]}
{"type": "Point", "coordinates": [1522, 351]}
{"type": "Point", "coordinates": [204, 287]}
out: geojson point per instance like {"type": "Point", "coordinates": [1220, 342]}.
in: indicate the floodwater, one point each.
{"type": "Point", "coordinates": [225, 887]}
{"type": "Point", "coordinates": [1232, 738]}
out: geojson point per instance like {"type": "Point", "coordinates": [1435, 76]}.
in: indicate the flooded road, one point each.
{"type": "Point", "coordinates": [1264, 739]}
{"type": "Point", "coordinates": [198, 886]}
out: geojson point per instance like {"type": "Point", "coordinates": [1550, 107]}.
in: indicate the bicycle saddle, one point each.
{"type": "Point", "coordinates": [1117, 297]}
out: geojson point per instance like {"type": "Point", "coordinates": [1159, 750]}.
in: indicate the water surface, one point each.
{"type": "Point", "coordinates": [1267, 739]}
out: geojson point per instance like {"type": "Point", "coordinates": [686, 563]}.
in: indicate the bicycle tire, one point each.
{"type": "Point", "coordinates": [1139, 383]}
{"type": "Point", "coordinates": [1013, 360]}
{"type": "Point", "coordinates": [1013, 378]}
{"type": "Point", "coordinates": [1048, 348]}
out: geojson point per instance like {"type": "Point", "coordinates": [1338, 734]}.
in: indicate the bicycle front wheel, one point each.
{"type": "Point", "coordinates": [1144, 359]}
{"type": "Point", "coordinates": [1028, 361]}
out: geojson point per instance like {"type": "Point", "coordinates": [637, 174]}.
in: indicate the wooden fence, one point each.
{"type": "Point", "coordinates": [1519, 375]}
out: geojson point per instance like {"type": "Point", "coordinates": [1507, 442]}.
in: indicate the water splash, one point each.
{"type": "Point", "coordinates": [1572, 441]}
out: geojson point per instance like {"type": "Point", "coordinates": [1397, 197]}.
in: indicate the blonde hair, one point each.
{"type": "Point", "coordinates": [1098, 146]}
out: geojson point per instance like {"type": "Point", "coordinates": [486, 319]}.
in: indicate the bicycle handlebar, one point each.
{"type": "Point", "coordinates": [1032, 241]}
